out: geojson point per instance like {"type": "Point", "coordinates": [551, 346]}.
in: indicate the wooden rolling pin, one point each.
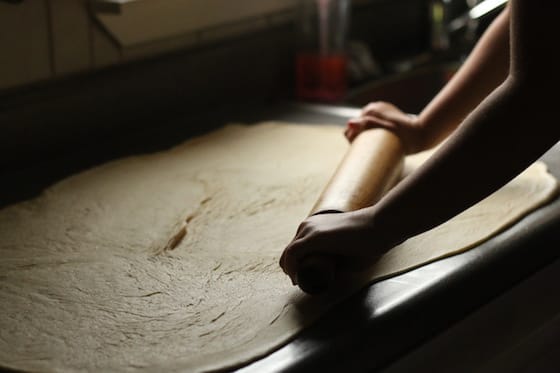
{"type": "Point", "coordinates": [371, 166]}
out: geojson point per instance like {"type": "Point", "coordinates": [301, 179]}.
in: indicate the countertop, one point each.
{"type": "Point", "coordinates": [379, 325]}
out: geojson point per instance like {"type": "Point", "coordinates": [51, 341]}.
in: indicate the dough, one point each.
{"type": "Point", "coordinates": [169, 261]}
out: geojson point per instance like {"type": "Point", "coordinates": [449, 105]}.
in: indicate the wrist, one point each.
{"type": "Point", "coordinates": [385, 234]}
{"type": "Point", "coordinates": [426, 136]}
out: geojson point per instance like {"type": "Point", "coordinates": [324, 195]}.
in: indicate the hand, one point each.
{"type": "Point", "coordinates": [347, 237]}
{"type": "Point", "coordinates": [385, 115]}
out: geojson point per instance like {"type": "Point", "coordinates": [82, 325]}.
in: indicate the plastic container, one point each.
{"type": "Point", "coordinates": [321, 59]}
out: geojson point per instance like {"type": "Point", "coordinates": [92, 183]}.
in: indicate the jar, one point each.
{"type": "Point", "coordinates": [321, 58]}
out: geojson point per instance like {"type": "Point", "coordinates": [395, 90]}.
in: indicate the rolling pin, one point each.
{"type": "Point", "coordinates": [370, 167]}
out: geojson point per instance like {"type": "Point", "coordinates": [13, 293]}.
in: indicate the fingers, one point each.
{"type": "Point", "coordinates": [352, 129]}
{"type": "Point", "coordinates": [308, 240]}
{"type": "Point", "coordinates": [374, 115]}
{"type": "Point", "coordinates": [291, 258]}
{"type": "Point", "coordinates": [333, 235]}
{"type": "Point", "coordinates": [356, 126]}
{"type": "Point", "coordinates": [291, 255]}
{"type": "Point", "coordinates": [379, 109]}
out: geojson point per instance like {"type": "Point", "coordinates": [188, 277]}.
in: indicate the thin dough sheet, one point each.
{"type": "Point", "coordinates": [169, 261]}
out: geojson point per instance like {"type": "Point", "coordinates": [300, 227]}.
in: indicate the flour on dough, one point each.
{"type": "Point", "coordinates": [169, 261]}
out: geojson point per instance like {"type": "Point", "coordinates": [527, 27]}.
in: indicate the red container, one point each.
{"type": "Point", "coordinates": [320, 62]}
{"type": "Point", "coordinates": [321, 77]}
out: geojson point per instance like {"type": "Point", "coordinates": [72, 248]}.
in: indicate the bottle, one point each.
{"type": "Point", "coordinates": [321, 58]}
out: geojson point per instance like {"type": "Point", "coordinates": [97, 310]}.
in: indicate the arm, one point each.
{"type": "Point", "coordinates": [485, 68]}
{"type": "Point", "coordinates": [508, 131]}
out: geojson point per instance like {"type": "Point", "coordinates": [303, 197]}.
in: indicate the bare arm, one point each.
{"type": "Point", "coordinates": [508, 131]}
{"type": "Point", "coordinates": [486, 68]}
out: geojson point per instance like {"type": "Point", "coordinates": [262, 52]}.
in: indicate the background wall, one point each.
{"type": "Point", "coordinates": [74, 77]}
{"type": "Point", "coordinates": [45, 39]}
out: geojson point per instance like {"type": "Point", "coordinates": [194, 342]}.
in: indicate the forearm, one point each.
{"type": "Point", "coordinates": [492, 146]}
{"type": "Point", "coordinates": [500, 137]}
{"type": "Point", "coordinates": [485, 68]}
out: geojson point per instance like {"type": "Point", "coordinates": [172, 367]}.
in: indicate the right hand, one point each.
{"type": "Point", "coordinates": [381, 114]}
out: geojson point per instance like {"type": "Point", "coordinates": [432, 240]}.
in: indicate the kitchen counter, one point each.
{"type": "Point", "coordinates": [374, 329]}
{"type": "Point", "coordinates": [377, 327]}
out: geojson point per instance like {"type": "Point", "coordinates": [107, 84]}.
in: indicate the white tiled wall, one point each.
{"type": "Point", "coordinates": [42, 39]}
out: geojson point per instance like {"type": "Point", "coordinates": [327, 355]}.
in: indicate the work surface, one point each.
{"type": "Point", "coordinates": [390, 318]}
{"type": "Point", "coordinates": [384, 318]}
{"type": "Point", "coordinates": [382, 323]}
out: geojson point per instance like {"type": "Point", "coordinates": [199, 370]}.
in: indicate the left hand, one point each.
{"type": "Point", "coordinates": [347, 237]}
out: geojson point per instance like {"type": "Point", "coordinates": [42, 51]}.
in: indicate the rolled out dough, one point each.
{"type": "Point", "coordinates": [169, 261]}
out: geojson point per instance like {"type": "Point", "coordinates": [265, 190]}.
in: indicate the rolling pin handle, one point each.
{"type": "Point", "coordinates": [370, 167]}
{"type": "Point", "coordinates": [316, 275]}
